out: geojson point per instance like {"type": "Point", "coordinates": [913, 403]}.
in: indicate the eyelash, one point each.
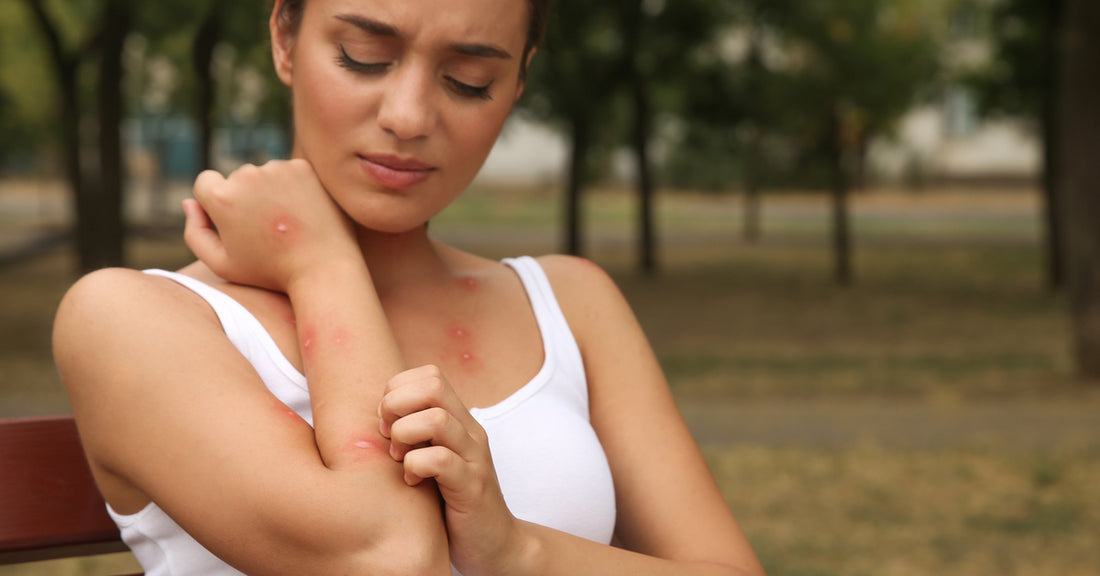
{"type": "Point", "coordinates": [347, 62]}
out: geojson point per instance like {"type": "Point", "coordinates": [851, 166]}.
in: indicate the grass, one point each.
{"type": "Point", "coordinates": [870, 510]}
{"type": "Point", "coordinates": [948, 301]}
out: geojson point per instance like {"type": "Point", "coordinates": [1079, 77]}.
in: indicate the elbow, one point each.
{"type": "Point", "coordinates": [384, 544]}
{"type": "Point", "coordinates": [407, 557]}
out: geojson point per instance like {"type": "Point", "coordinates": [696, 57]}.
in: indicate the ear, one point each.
{"type": "Point", "coordinates": [523, 81]}
{"type": "Point", "coordinates": [282, 47]}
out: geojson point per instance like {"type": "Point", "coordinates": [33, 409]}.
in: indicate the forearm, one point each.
{"type": "Point", "coordinates": [549, 552]}
{"type": "Point", "coordinates": [349, 354]}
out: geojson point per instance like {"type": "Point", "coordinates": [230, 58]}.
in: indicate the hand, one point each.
{"type": "Point", "coordinates": [434, 435]}
{"type": "Point", "coordinates": [273, 223]}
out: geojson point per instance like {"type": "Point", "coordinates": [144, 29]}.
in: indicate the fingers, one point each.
{"type": "Point", "coordinates": [448, 469]}
{"type": "Point", "coordinates": [207, 184]}
{"type": "Point", "coordinates": [419, 389]}
{"type": "Point", "coordinates": [201, 237]}
{"type": "Point", "coordinates": [420, 410]}
{"type": "Point", "coordinates": [433, 426]}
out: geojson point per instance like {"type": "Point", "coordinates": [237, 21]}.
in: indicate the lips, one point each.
{"type": "Point", "coordinates": [396, 172]}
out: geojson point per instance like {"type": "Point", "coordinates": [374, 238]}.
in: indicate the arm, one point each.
{"type": "Point", "coordinates": [168, 409]}
{"type": "Point", "coordinates": [277, 228]}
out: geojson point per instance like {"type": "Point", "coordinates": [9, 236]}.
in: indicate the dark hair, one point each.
{"type": "Point", "coordinates": [289, 17]}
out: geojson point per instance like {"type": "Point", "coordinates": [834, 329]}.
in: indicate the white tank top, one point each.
{"type": "Point", "coordinates": [550, 464]}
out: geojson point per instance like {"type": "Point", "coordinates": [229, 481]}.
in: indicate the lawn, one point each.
{"type": "Point", "coordinates": [948, 306]}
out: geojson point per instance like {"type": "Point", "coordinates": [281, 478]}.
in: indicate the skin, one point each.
{"type": "Point", "coordinates": [421, 333]}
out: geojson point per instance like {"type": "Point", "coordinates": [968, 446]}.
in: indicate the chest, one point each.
{"type": "Point", "coordinates": [487, 342]}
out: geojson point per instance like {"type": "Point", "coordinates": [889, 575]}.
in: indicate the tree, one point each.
{"type": "Point", "coordinates": [1022, 80]}
{"type": "Point", "coordinates": [570, 85]}
{"type": "Point", "coordinates": [660, 45]}
{"type": "Point", "coordinates": [109, 241]}
{"type": "Point", "coordinates": [1079, 138]}
{"type": "Point", "coordinates": [24, 121]}
{"type": "Point", "coordinates": [856, 67]}
{"type": "Point", "coordinates": [98, 217]}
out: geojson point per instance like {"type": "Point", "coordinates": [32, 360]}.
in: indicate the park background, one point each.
{"type": "Point", "coordinates": [860, 234]}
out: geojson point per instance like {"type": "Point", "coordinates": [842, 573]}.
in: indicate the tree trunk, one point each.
{"type": "Point", "coordinates": [109, 234]}
{"type": "Point", "coordinates": [573, 225]}
{"type": "Point", "coordinates": [639, 136]}
{"type": "Point", "coordinates": [647, 244]}
{"type": "Point", "coordinates": [1050, 141]}
{"type": "Point", "coordinates": [1080, 175]}
{"type": "Point", "coordinates": [754, 95]}
{"type": "Point", "coordinates": [751, 217]}
{"type": "Point", "coordinates": [202, 55]}
{"type": "Point", "coordinates": [65, 66]}
{"type": "Point", "coordinates": [839, 192]}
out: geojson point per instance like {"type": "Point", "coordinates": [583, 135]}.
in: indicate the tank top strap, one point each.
{"type": "Point", "coordinates": [249, 336]}
{"type": "Point", "coordinates": [558, 340]}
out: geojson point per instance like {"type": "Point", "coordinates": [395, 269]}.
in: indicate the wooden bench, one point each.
{"type": "Point", "coordinates": [49, 505]}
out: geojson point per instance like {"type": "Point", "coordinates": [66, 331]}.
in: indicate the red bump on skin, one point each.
{"type": "Point", "coordinates": [340, 338]}
{"type": "Point", "coordinates": [281, 230]}
{"type": "Point", "coordinates": [365, 448]}
{"type": "Point", "coordinates": [283, 224]}
{"type": "Point", "coordinates": [286, 412]}
{"type": "Point", "coordinates": [468, 283]}
{"type": "Point", "coordinates": [307, 335]}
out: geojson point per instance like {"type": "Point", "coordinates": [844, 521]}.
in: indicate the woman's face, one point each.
{"type": "Point", "coordinates": [398, 102]}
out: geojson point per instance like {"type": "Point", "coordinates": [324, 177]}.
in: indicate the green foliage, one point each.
{"type": "Point", "coordinates": [1019, 76]}
{"type": "Point", "coordinates": [802, 65]}
{"type": "Point", "coordinates": [25, 87]}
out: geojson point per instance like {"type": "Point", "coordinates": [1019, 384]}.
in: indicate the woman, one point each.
{"type": "Point", "coordinates": [534, 428]}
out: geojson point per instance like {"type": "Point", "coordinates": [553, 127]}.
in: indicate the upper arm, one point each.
{"type": "Point", "coordinates": [668, 503]}
{"type": "Point", "coordinates": [164, 401]}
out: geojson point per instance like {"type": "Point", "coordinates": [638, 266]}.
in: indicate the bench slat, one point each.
{"type": "Point", "coordinates": [49, 504]}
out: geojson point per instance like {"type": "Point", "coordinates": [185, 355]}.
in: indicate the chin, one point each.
{"type": "Point", "coordinates": [390, 221]}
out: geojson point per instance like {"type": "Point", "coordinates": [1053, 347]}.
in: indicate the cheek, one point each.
{"type": "Point", "coordinates": [328, 102]}
{"type": "Point", "coordinates": [475, 133]}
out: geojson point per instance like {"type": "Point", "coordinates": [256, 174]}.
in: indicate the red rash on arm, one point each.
{"type": "Point", "coordinates": [365, 448]}
{"type": "Point", "coordinates": [307, 335]}
{"type": "Point", "coordinates": [335, 338]}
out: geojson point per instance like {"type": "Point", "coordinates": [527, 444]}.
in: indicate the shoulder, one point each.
{"type": "Point", "coordinates": [109, 314]}
{"type": "Point", "coordinates": [579, 282]}
{"type": "Point", "coordinates": [115, 296]}
{"type": "Point", "coordinates": [589, 298]}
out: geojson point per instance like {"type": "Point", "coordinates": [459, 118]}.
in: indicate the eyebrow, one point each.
{"type": "Point", "coordinates": [377, 28]}
{"type": "Point", "coordinates": [481, 50]}
{"type": "Point", "coordinates": [367, 25]}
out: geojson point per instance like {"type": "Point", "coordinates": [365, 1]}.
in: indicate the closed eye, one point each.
{"type": "Point", "coordinates": [467, 90]}
{"type": "Point", "coordinates": [349, 63]}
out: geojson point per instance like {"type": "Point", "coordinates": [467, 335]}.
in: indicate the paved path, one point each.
{"type": "Point", "coordinates": [904, 423]}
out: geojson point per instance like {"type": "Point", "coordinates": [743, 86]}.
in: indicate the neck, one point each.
{"type": "Point", "coordinates": [395, 259]}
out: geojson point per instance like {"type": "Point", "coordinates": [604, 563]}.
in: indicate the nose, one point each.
{"type": "Point", "coordinates": [406, 110]}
